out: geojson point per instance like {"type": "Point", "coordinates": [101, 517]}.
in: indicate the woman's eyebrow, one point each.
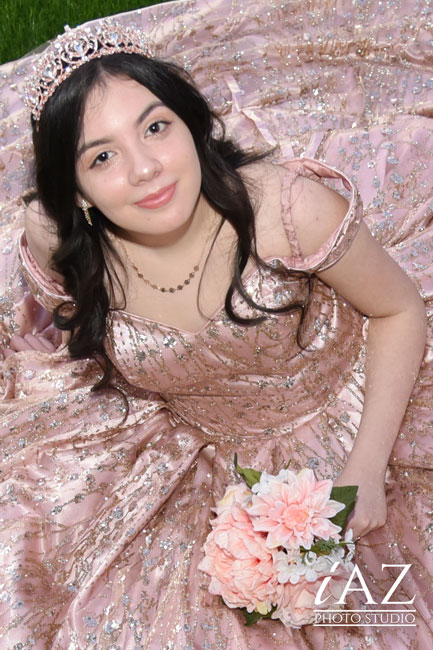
{"type": "Point", "coordinates": [147, 111]}
{"type": "Point", "coordinates": [140, 119]}
{"type": "Point", "coordinates": [93, 143]}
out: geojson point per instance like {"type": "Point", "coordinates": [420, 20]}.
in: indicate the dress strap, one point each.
{"type": "Point", "coordinates": [340, 240]}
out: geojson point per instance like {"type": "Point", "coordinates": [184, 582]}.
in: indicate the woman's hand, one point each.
{"type": "Point", "coordinates": [370, 508]}
{"type": "Point", "coordinates": [28, 342]}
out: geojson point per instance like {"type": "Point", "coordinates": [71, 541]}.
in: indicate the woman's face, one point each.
{"type": "Point", "coordinates": [137, 163]}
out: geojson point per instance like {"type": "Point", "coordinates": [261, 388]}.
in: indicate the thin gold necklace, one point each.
{"type": "Point", "coordinates": [179, 287]}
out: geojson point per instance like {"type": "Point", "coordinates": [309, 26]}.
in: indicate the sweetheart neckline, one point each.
{"type": "Point", "coordinates": [215, 314]}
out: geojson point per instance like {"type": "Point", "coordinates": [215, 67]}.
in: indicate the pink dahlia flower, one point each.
{"type": "Point", "coordinates": [238, 561]}
{"type": "Point", "coordinates": [294, 510]}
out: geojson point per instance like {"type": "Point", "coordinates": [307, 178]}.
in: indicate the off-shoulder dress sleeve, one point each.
{"type": "Point", "coordinates": [45, 289]}
{"type": "Point", "coordinates": [341, 238]}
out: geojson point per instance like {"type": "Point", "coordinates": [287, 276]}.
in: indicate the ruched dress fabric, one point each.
{"type": "Point", "coordinates": [102, 519]}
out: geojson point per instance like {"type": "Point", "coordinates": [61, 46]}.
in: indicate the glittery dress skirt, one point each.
{"type": "Point", "coordinates": [102, 519]}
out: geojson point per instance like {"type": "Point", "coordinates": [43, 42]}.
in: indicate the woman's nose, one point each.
{"type": "Point", "coordinates": [143, 166]}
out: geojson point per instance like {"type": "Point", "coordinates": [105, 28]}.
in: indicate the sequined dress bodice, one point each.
{"type": "Point", "coordinates": [235, 380]}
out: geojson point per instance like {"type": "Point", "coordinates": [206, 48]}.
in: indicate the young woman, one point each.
{"type": "Point", "coordinates": [211, 302]}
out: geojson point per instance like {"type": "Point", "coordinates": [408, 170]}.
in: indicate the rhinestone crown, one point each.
{"type": "Point", "coordinates": [71, 50]}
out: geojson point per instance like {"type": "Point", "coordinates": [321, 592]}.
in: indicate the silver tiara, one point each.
{"type": "Point", "coordinates": [71, 50]}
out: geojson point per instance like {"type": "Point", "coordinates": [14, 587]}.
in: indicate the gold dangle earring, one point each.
{"type": "Point", "coordinates": [85, 208]}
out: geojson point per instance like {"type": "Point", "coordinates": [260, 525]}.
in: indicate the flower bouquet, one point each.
{"type": "Point", "coordinates": [275, 549]}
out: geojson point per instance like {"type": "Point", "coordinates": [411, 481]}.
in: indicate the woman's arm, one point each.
{"type": "Point", "coordinates": [373, 283]}
{"type": "Point", "coordinates": [41, 242]}
{"type": "Point", "coordinates": [41, 239]}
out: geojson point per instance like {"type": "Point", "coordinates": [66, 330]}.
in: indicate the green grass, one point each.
{"type": "Point", "coordinates": [25, 24]}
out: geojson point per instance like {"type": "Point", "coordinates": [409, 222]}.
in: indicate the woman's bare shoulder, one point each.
{"type": "Point", "coordinates": [41, 237]}
{"type": "Point", "coordinates": [265, 180]}
{"type": "Point", "coordinates": [258, 174]}
{"type": "Point", "coordinates": [316, 211]}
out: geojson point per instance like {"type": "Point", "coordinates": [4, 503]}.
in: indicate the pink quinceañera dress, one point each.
{"type": "Point", "coordinates": [102, 522]}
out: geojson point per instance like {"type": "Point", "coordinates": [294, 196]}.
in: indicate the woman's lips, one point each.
{"type": "Point", "coordinates": [159, 199]}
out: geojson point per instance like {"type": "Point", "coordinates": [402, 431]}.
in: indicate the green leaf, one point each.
{"type": "Point", "coordinates": [253, 617]}
{"type": "Point", "coordinates": [323, 546]}
{"type": "Point", "coordinates": [250, 476]}
{"type": "Point", "coordinates": [345, 494]}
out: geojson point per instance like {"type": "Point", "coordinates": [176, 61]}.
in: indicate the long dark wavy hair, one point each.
{"type": "Point", "coordinates": [85, 254]}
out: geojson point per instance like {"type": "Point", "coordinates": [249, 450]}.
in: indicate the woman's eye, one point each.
{"type": "Point", "coordinates": [102, 158]}
{"type": "Point", "coordinates": [156, 127]}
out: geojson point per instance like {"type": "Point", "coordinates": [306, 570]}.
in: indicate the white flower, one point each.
{"type": "Point", "coordinates": [310, 558]}
{"type": "Point", "coordinates": [237, 492]}
{"type": "Point", "coordinates": [323, 564]}
{"type": "Point", "coordinates": [337, 554]}
{"type": "Point", "coordinates": [289, 567]}
{"type": "Point", "coordinates": [350, 545]}
{"type": "Point", "coordinates": [264, 486]}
